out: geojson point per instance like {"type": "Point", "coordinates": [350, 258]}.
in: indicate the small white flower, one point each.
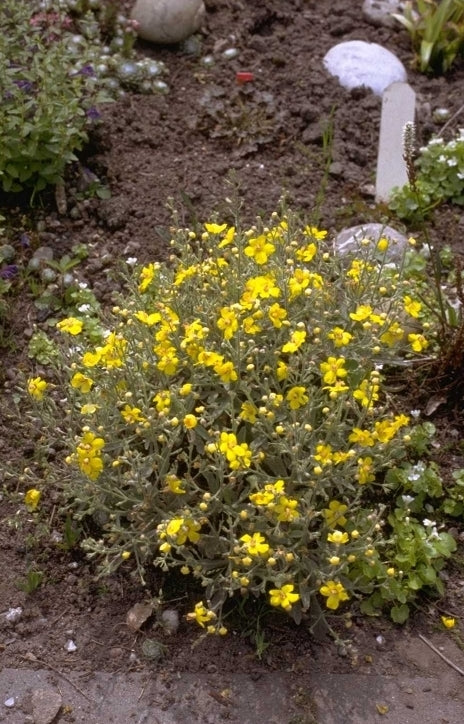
{"type": "Point", "coordinates": [131, 260]}
{"type": "Point", "coordinates": [415, 414]}
{"type": "Point", "coordinates": [452, 162]}
{"type": "Point", "coordinates": [407, 499]}
{"type": "Point", "coordinates": [83, 285]}
{"type": "Point", "coordinates": [429, 523]}
{"type": "Point", "coordinates": [84, 308]}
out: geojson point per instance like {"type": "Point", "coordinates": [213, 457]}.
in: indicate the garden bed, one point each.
{"type": "Point", "coordinates": [291, 130]}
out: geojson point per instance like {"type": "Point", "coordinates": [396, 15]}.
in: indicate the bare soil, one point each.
{"type": "Point", "coordinates": [271, 134]}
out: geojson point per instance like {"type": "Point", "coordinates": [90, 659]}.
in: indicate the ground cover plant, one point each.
{"type": "Point", "coordinates": [233, 423]}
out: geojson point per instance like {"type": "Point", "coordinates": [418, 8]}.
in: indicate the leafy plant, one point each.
{"type": "Point", "coordinates": [439, 177]}
{"type": "Point", "coordinates": [46, 108]}
{"type": "Point", "coordinates": [32, 581]}
{"type": "Point", "coordinates": [436, 28]}
{"type": "Point", "coordinates": [234, 423]}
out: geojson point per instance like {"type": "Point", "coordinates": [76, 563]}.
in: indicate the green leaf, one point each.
{"type": "Point", "coordinates": [400, 614]}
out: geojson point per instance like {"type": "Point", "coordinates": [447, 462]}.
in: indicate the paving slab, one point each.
{"type": "Point", "coordinates": [274, 698]}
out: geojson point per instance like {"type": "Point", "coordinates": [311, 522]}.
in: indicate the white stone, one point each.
{"type": "Point", "coordinates": [379, 12]}
{"type": "Point", "coordinates": [349, 240]}
{"type": "Point", "coordinates": [356, 63]}
{"type": "Point", "coordinates": [46, 703]}
{"type": "Point", "coordinates": [167, 21]}
{"type": "Point", "coordinates": [398, 109]}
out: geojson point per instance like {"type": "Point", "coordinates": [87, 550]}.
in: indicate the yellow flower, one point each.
{"type": "Point", "coordinates": [81, 382]}
{"type": "Point", "coordinates": [307, 254]}
{"type": "Point", "coordinates": [70, 325]}
{"type": "Point", "coordinates": [215, 228]}
{"type": "Point", "coordinates": [227, 322]}
{"type": "Point", "coordinates": [248, 412]}
{"type": "Point", "coordinates": [226, 371]}
{"type": "Point", "coordinates": [339, 336]}
{"type": "Point", "coordinates": [412, 307]}
{"type": "Point", "coordinates": [32, 499]}
{"type": "Point", "coordinates": [147, 275]}
{"type": "Point", "coordinates": [418, 342]}
{"type": "Point", "coordinates": [297, 338]}
{"type": "Point", "coordinates": [283, 596]}
{"type": "Point", "coordinates": [148, 319]}
{"type": "Point", "coordinates": [162, 400]}
{"type": "Point", "coordinates": [201, 614]}
{"type": "Point", "coordinates": [364, 438]}
{"type": "Point", "coordinates": [132, 415]}
{"type": "Point", "coordinates": [393, 334]}
{"type": "Point", "coordinates": [285, 510]}
{"type": "Point", "coordinates": [259, 249]}
{"type": "Point", "coordinates": [190, 421]}
{"type": "Point", "coordinates": [315, 233]}
{"type": "Point", "coordinates": [335, 593]}
{"type": "Point", "coordinates": [448, 622]}
{"type": "Point", "coordinates": [334, 514]}
{"type": "Point", "coordinates": [297, 397]}
{"type": "Point", "coordinates": [183, 273]}
{"type": "Point", "coordinates": [125, 555]}
{"type": "Point", "coordinates": [36, 387]}
{"type": "Point", "coordinates": [298, 282]}
{"type": "Point", "coordinates": [362, 313]}
{"type": "Point", "coordinates": [367, 393]}
{"type": "Point", "coordinates": [333, 369]}
{"type": "Point", "coordinates": [250, 325]}
{"type": "Point", "coordinates": [277, 314]}
{"type": "Point", "coordinates": [262, 498]}
{"type": "Point", "coordinates": [89, 409]}
{"type": "Point", "coordinates": [174, 485]}
{"type": "Point", "coordinates": [365, 471]}
{"type": "Point", "coordinates": [89, 454]}
{"type": "Point", "coordinates": [338, 537]}
{"type": "Point", "coordinates": [382, 245]}
{"type": "Point", "coordinates": [261, 287]}
{"type": "Point", "coordinates": [282, 371]}
{"type": "Point", "coordinates": [255, 545]}
{"type": "Point", "coordinates": [182, 530]}
{"type": "Point", "coordinates": [228, 238]}
{"type": "Point", "coordinates": [186, 389]}
{"type": "Point", "coordinates": [324, 454]}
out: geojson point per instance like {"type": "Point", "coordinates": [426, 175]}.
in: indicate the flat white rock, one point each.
{"type": "Point", "coordinates": [356, 63]}
{"type": "Point", "coordinates": [349, 240]}
{"type": "Point", "coordinates": [167, 21]}
{"type": "Point", "coordinates": [379, 12]}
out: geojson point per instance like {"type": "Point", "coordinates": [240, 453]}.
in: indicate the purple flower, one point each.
{"type": "Point", "coordinates": [24, 85]}
{"type": "Point", "coordinates": [92, 114]}
{"type": "Point", "coordinates": [87, 70]}
{"type": "Point", "coordinates": [9, 271]}
{"type": "Point", "coordinates": [25, 241]}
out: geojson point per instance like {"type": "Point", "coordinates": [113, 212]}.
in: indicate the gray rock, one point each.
{"type": "Point", "coordinates": [46, 704]}
{"type": "Point", "coordinates": [167, 21]}
{"type": "Point", "coordinates": [378, 12]}
{"type": "Point", "coordinates": [349, 240]}
{"type": "Point", "coordinates": [357, 63]}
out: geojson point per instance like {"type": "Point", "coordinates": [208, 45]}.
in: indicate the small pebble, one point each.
{"type": "Point", "coordinates": [230, 53]}
{"type": "Point", "coordinates": [70, 646]}
{"type": "Point", "coordinates": [10, 702]}
{"type": "Point", "coordinates": [14, 614]}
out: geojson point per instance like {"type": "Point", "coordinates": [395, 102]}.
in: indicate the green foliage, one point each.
{"type": "Point", "coordinates": [440, 177]}
{"type": "Point", "coordinates": [233, 423]}
{"type": "Point", "coordinates": [32, 581]}
{"type": "Point", "coordinates": [436, 28]}
{"type": "Point", "coordinates": [43, 116]}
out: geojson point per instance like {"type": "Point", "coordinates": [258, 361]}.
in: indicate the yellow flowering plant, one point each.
{"type": "Point", "coordinates": [235, 423]}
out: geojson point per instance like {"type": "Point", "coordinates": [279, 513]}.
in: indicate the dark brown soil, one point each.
{"type": "Point", "coordinates": [208, 136]}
